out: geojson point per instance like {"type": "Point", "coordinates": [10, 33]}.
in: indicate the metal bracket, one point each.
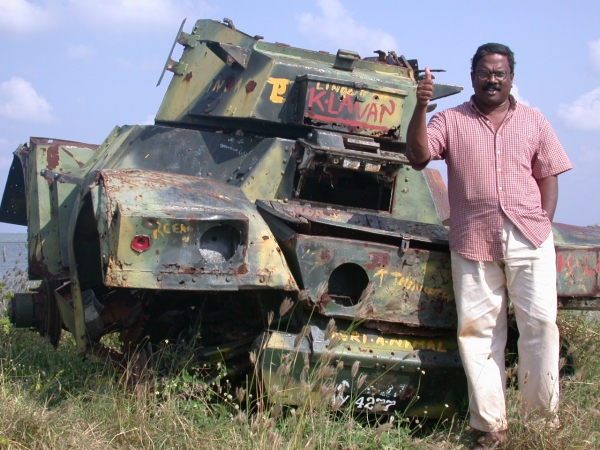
{"type": "Point", "coordinates": [187, 40]}
{"type": "Point", "coordinates": [230, 54]}
{"type": "Point", "coordinates": [405, 243]}
{"type": "Point", "coordinates": [61, 177]}
{"type": "Point", "coordinates": [169, 64]}
{"type": "Point", "coordinates": [178, 68]}
{"type": "Point", "coordinates": [344, 60]}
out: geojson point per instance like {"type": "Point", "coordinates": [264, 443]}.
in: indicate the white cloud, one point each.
{"type": "Point", "coordinates": [5, 158]}
{"type": "Point", "coordinates": [338, 28]}
{"type": "Point", "coordinates": [20, 101]}
{"type": "Point", "coordinates": [80, 51]}
{"type": "Point", "coordinates": [139, 15]}
{"type": "Point", "coordinates": [149, 120]}
{"type": "Point", "coordinates": [19, 17]}
{"type": "Point", "coordinates": [583, 113]}
{"type": "Point", "coordinates": [595, 55]}
{"type": "Point", "coordinates": [517, 95]}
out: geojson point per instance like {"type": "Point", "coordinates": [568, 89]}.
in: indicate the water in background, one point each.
{"type": "Point", "coordinates": [13, 257]}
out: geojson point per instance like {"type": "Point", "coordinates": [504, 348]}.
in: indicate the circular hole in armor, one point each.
{"type": "Point", "coordinates": [346, 284]}
{"type": "Point", "coordinates": [218, 244]}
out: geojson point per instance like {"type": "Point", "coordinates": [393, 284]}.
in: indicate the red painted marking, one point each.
{"type": "Point", "coordinates": [586, 268]}
{"type": "Point", "coordinates": [331, 103]}
{"type": "Point", "coordinates": [562, 264]}
{"type": "Point", "coordinates": [348, 104]}
{"type": "Point", "coordinates": [384, 109]}
{"type": "Point", "coordinates": [364, 115]}
{"type": "Point", "coordinates": [360, 113]}
{"type": "Point", "coordinates": [373, 112]}
{"type": "Point", "coordinates": [229, 82]}
{"type": "Point", "coordinates": [250, 86]}
{"type": "Point", "coordinates": [312, 98]}
{"type": "Point", "coordinates": [355, 123]}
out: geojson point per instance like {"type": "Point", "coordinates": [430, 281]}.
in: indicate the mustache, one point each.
{"type": "Point", "coordinates": [490, 86]}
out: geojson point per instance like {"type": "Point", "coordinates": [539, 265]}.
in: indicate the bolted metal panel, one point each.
{"type": "Point", "coordinates": [578, 265]}
{"type": "Point", "coordinates": [414, 376]}
{"type": "Point", "coordinates": [202, 234]}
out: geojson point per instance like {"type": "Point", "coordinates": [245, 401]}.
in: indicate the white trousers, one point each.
{"type": "Point", "coordinates": [528, 276]}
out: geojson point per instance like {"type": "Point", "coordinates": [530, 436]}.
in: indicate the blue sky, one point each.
{"type": "Point", "coordinates": [73, 69]}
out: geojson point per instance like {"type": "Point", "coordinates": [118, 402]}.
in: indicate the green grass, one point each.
{"type": "Point", "coordinates": [51, 399]}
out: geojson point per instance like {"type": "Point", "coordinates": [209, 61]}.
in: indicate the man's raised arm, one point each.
{"type": "Point", "coordinates": [416, 136]}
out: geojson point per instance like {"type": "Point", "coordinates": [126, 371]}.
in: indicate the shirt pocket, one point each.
{"type": "Point", "coordinates": [524, 149]}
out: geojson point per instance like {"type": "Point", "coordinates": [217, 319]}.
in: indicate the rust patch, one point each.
{"type": "Point", "coordinates": [39, 266]}
{"type": "Point", "coordinates": [265, 238]}
{"type": "Point", "coordinates": [59, 142]}
{"type": "Point", "coordinates": [229, 82]}
{"type": "Point", "coordinates": [53, 157]}
{"type": "Point", "coordinates": [243, 269]}
{"type": "Point", "coordinates": [325, 254]}
{"type": "Point", "coordinates": [412, 329]}
{"type": "Point", "coordinates": [407, 392]}
{"type": "Point", "coordinates": [188, 77]}
{"type": "Point", "coordinates": [439, 192]}
{"type": "Point", "coordinates": [323, 302]}
{"type": "Point", "coordinates": [377, 260]}
{"type": "Point", "coordinates": [79, 163]}
{"type": "Point", "coordinates": [250, 86]}
{"type": "Point", "coordinates": [122, 311]}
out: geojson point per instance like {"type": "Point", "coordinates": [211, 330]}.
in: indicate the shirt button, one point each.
{"type": "Point", "coordinates": [499, 169]}
{"type": "Point", "coordinates": [500, 188]}
{"type": "Point", "coordinates": [498, 152]}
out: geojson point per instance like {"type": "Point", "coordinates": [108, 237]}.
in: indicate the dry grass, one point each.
{"type": "Point", "coordinates": [579, 406]}
{"type": "Point", "coordinates": [53, 400]}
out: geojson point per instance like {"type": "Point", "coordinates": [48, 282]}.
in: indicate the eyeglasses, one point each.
{"type": "Point", "coordinates": [486, 75]}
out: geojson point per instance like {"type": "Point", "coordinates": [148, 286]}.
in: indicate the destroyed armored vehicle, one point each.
{"type": "Point", "coordinates": [271, 173]}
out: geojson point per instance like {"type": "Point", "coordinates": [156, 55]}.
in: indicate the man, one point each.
{"type": "Point", "coordinates": [503, 159]}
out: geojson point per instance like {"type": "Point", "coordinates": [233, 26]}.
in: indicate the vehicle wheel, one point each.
{"type": "Point", "coordinates": [49, 320]}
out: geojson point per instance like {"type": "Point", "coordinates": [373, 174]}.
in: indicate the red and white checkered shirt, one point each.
{"type": "Point", "coordinates": [493, 174]}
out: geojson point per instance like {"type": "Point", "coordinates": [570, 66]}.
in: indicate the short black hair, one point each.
{"type": "Point", "coordinates": [493, 49]}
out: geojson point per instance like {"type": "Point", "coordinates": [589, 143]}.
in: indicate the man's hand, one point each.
{"type": "Point", "coordinates": [549, 194]}
{"type": "Point", "coordinates": [425, 89]}
{"type": "Point", "coordinates": [416, 136]}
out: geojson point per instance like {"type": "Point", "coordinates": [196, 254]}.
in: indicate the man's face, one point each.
{"type": "Point", "coordinates": [492, 91]}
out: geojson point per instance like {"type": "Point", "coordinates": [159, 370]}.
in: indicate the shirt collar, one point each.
{"type": "Point", "coordinates": [511, 108]}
